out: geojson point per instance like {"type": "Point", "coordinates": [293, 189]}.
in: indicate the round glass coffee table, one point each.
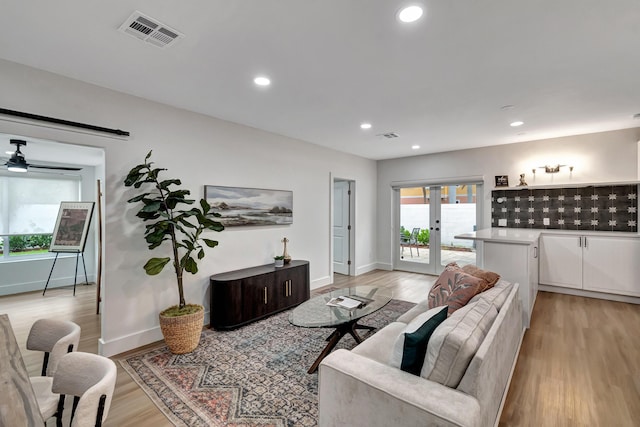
{"type": "Point", "coordinates": [315, 313]}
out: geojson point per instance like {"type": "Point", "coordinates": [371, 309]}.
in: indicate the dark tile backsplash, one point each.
{"type": "Point", "coordinates": [598, 208]}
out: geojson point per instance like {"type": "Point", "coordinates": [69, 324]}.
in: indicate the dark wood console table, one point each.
{"type": "Point", "coordinates": [243, 296]}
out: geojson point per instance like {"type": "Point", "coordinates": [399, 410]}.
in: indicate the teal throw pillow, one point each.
{"type": "Point", "coordinates": [415, 343]}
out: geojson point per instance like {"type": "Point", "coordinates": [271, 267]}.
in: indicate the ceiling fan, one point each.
{"type": "Point", "coordinates": [17, 162]}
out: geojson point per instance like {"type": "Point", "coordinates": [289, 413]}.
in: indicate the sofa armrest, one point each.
{"type": "Point", "coordinates": [356, 391]}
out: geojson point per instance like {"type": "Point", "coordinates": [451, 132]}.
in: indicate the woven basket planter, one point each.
{"type": "Point", "coordinates": [182, 333]}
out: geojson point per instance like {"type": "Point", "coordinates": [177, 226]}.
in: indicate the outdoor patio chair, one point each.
{"type": "Point", "coordinates": [408, 241]}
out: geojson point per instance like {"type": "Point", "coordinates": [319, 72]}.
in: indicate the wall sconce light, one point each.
{"type": "Point", "coordinates": [552, 169]}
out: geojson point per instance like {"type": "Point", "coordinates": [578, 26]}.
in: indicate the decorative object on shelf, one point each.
{"type": "Point", "coordinates": [522, 182]}
{"type": "Point", "coordinates": [502, 180]}
{"type": "Point", "coordinates": [250, 206]}
{"type": "Point", "coordinates": [279, 260]}
{"type": "Point", "coordinates": [285, 254]}
{"type": "Point", "coordinates": [180, 324]}
{"type": "Point", "coordinates": [553, 169]}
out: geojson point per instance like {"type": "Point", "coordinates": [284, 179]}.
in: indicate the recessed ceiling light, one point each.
{"type": "Point", "coordinates": [410, 14]}
{"type": "Point", "coordinates": [516, 124]}
{"type": "Point", "coordinates": [262, 81]}
{"type": "Point", "coordinates": [415, 147]}
{"type": "Point", "coordinates": [365, 126]}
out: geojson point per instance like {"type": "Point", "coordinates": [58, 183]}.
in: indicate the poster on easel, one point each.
{"type": "Point", "coordinates": [72, 227]}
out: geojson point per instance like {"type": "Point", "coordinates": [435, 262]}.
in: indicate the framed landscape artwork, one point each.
{"type": "Point", "coordinates": [250, 206]}
{"type": "Point", "coordinates": [72, 227]}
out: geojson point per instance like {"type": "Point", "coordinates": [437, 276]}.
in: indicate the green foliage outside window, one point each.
{"type": "Point", "coordinates": [28, 244]}
{"type": "Point", "coordinates": [423, 236]}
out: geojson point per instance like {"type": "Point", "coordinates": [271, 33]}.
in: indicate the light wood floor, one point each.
{"type": "Point", "coordinates": [579, 364]}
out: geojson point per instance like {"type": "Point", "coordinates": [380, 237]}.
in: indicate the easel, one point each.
{"type": "Point", "coordinates": [66, 237]}
{"type": "Point", "coordinates": [75, 277]}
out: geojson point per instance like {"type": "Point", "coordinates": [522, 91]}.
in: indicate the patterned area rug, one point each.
{"type": "Point", "coordinates": [253, 376]}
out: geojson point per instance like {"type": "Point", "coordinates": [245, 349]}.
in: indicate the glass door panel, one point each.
{"type": "Point", "coordinates": [429, 218]}
{"type": "Point", "coordinates": [458, 215]}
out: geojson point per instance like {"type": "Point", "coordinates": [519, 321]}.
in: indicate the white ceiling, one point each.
{"type": "Point", "coordinates": [568, 67]}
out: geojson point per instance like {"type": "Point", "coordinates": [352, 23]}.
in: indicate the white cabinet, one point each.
{"type": "Point", "coordinates": [594, 263]}
{"type": "Point", "coordinates": [516, 263]}
{"type": "Point", "coordinates": [561, 260]}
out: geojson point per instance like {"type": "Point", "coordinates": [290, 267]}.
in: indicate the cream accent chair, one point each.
{"type": "Point", "coordinates": [55, 338]}
{"type": "Point", "coordinates": [91, 380]}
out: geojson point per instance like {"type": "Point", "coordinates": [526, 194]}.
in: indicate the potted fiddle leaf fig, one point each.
{"type": "Point", "coordinates": [164, 210]}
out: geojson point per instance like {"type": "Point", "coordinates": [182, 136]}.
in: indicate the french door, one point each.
{"type": "Point", "coordinates": [428, 217]}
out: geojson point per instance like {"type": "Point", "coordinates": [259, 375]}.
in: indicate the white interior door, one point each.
{"type": "Point", "coordinates": [341, 227]}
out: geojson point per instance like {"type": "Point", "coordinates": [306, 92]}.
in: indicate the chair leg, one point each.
{"type": "Point", "coordinates": [103, 398]}
{"type": "Point", "coordinates": [76, 399]}
{"type": "Point", "coordinates": [59, 411]}
{"type": "Point", "coordinates": [45, 363]}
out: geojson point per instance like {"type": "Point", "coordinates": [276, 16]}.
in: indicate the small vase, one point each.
{"type": "Point", "coordinates": [285, 254]}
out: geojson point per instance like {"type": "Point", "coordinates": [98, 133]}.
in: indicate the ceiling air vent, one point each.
{"type": "Point", "coordinates": [389, 135]}
{"type": "Point", "coordinates": [150, 30]}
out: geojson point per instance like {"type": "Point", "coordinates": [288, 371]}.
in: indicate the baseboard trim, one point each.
{"type": "Point", "coordinates": [323, 281]}
{"type": "Point", "coordinates": [366, 268]}
{"type": "Point", "coordinates": [383, 266]}
{"type": "Point", "coordinates": [135, 340]}
{"type": "Point", "coordinates": [589, 294]}
{"type": "Point", "coordinates": [19, 288]}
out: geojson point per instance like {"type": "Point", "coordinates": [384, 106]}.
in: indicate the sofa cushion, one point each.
{"type": "Point", "coordinates": [454, 288]}
{"type": "Point", "coordinates": [379, 346]}
{"type": "Point", "coordinates": [419, 308]}
{"type": "Point", "coordinates": [455, 341]}
{"type": "Point", "coordinates": [496, 295]}
{"type": "Point", "coordinates": [488, 276]}
{"type": "Point", "coordinates": [410, 346]}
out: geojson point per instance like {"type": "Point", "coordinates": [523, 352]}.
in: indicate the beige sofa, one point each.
{"type": "Point", "coordinates": [360, 388]}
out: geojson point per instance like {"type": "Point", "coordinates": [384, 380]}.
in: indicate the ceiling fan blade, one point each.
{"type": "Point", "coordinates": [61, 168]}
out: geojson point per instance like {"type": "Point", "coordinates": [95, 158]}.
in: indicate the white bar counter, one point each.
{"type": "Point", "coordinates": [513, 254]}
{"type": "Point", "coordinates": [525, 236]}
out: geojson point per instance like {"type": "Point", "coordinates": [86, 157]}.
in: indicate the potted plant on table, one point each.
{"type": "Point", "coordinates": [163, 208]}
{"type": "Point", "coordinates": [279, 260]}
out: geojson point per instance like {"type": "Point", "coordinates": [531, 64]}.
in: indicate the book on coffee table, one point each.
{"type": "Point", "coordinates": [344, 302]}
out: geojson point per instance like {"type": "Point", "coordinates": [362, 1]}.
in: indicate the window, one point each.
{"type": "Point", "coordinates": [28, 210]}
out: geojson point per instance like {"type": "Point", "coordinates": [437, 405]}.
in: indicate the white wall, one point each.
{"type": "Point", "coordinates": [199, 150]}
{"type": "Point", "coordinates": [597, 158]}
{"type": "Point", "coordinates": [461, 218]}
{"type": "Point", "coordinates": [24, 275]}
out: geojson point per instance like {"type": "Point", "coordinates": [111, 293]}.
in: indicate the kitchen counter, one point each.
{"type": "Point", "coordinates": [527, 236]}
{"type": "Point", "coordinates": [524, 236]}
